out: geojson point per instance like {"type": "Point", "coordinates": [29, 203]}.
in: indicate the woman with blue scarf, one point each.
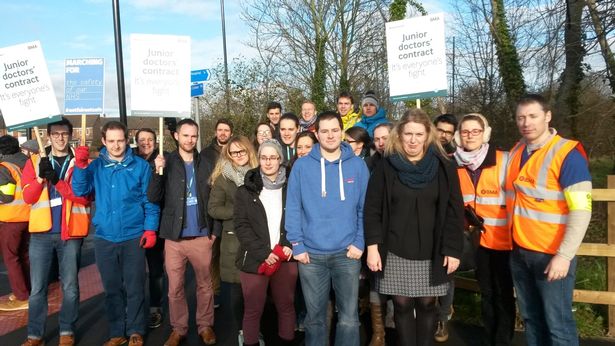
{"type": "Point", "coordinates": [414, 225]}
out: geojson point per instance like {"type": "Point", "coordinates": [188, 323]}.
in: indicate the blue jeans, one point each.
{"type": "Point", "coordinates": [316, 278]}
{"type": "Point", "coordinates": [41, 251]}
{"type": "Point", "coordinates": [122, 270]}
{"type": "Point", "coordinates": [546, 307]}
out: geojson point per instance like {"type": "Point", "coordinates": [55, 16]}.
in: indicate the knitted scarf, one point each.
{"type": "Point", "coordinates": [416, 176]}
{"type": "Point", "coordinates": [471, 159]}
{"type": "Point", "coordinates": [279, 180]}
{"type": "Point", "coordinates": [234, 174]}
{"type": "Point", "coordinates": [305, 125]}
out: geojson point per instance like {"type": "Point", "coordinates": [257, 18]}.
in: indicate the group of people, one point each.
{"type": "Point", "coordinates": [300, 210]}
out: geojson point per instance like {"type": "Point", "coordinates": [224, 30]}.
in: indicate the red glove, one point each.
{"type": "Point", "coordinates": [267, 269]}
{"type": "Point", "coordinates": [278, 251]}
{"type": "Point", "coordinates": [82, 155]}
{"type": "Point", "coordinates": [148, 240]}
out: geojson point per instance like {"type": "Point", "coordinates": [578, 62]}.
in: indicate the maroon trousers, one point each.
{"type": "Point", "coordinates": [14, 240]}
{"type": "Point", "coordinates": [254, 287]}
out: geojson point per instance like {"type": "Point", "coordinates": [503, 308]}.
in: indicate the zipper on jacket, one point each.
{"type": "Point", "coordinates": [245, 254]}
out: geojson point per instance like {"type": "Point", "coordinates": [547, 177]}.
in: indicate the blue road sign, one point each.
{"type": "Point", "coordinates": [200, 75]}
{"type": "Point", "coordinates": [84, 86]}
{"type": "Point", "coordinates": [196, 89]}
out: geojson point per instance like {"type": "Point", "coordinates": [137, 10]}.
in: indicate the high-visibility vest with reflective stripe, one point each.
{"type": "Point", "coordinates": [535, 202]}
{"type": "Point", "coordinates": [18, 210]}
{"type": "Point", "coordinates": [76, 216]}
{"type": "Point", "coordinates": [488, 199]}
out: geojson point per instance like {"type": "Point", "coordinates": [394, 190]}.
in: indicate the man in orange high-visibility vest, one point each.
{"type": "Point", "coordinates": [548, 202]}
{"type": "Point", "coordinates": [59, 222]}
{"type": "Point", "coordinates": [14, 215]}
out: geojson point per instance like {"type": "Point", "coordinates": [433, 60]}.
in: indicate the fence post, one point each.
{"type": "Point", "coordinates": [611, 260]}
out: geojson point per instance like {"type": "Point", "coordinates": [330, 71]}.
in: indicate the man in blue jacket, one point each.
{"type": "Point", "coordinates": [125, 223]}
{"type": "Point", "coordinates": [325, 228]}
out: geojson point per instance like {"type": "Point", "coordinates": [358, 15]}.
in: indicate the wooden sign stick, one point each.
{"type": "Point", "coordinates": [39, 140]}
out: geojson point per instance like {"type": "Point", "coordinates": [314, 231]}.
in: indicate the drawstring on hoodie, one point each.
{"type": "Point", "coordinates": [323, 180]}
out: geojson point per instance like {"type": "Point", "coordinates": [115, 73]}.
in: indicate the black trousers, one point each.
{"type": "Point", "coordinates": [497, 299]}
{"type": "Point", "coordinates": [155, 266]}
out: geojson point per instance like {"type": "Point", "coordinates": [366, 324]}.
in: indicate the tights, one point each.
{"type": "Point", "coordinates": [411, 330]}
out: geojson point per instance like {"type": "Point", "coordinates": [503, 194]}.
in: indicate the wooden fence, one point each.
{"type": "Point", "coordinates": [588, 249]}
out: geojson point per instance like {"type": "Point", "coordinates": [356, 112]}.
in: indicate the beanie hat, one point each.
{"type": "Point", "coordinates": [272, 143]}
{"type": "Point", "coordinates": [486, 130]}
{"type": "Point", "coordinates": [370, 97]}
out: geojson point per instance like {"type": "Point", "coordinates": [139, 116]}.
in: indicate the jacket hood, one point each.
{"type": "Point", "coordinates": [18, 158]}
{"type": "Point", "coordinates": [379, 116]}
{"type": "Point", "coordinates": [129, 156]}
{"type": "Point", "coordinates": [346, 149]}
{"type": "Point", "coordinates": [253, 180]}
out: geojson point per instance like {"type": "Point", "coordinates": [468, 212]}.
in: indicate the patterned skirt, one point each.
{"type": "Point", "coordinates": [408, 278]}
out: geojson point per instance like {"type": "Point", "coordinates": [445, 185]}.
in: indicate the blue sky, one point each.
{"type": "Point", "coordinates": [84, 28]}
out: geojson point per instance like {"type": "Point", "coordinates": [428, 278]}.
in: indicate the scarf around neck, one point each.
{"type": "Point", "coordinates": [416, 176]}
{"type": "Point", "coordinates": [235, 174]}
{"type": "Point", "coordinates": [305, 125]}
{"type": "Point", "coordinates": [280, 179]}
{"type": "Point", "coordinates": [471, 159]}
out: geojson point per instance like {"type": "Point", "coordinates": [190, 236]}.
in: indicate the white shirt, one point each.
{"type": "Point", "coordinates": [272, 201]}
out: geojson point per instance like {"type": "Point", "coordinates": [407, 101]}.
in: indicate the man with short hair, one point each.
{"type": "Point", "coordinates": [14, 216]}
{"type": "Point", "coordinates": [446, 124]}
{"type": "Point", "coordinates": [289, 128]}
{"type": "Point", "coordinates": [274, 111]}
{"type": "Point", "coordinates": [59, 222]}
{"type": "Point", "coordinates": [372, 113]}
{"type": "Point", "coordinates": [308, 117]}
{"type": "Point", "coordinates": [345, 108]}
{"type": "Point", "coordinates": [548, 199]}
{"type": "Point", "coordinates": [381, 136]}
{"type": "Point", "coordinates": [126, 224]}
{"type": "Point", "coordinates": [187, 230]}
{"type": "Point", "coordinates": [224, 132]}
{"type": "Point", "coordinates": [325, 228]}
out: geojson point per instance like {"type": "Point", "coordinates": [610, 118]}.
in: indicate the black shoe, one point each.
{"type": "Point", "coordinates": [155, 319]}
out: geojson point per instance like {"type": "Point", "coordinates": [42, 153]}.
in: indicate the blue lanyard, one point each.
{"type": "Point", "coordinates": [189, 186]}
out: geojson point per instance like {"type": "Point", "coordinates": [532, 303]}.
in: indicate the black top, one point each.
{"type": "Point", "coordinates": [413, 220]}
{"type": "Point", "coordinates": [251, 225]}
{"type": "Point", "coordinates": [447, 236]}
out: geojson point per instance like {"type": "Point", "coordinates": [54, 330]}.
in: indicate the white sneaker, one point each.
{"type": "Point", "coordinates": [240, 338]}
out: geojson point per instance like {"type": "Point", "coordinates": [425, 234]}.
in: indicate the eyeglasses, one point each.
{"type": "Point", "coordinates": [448, 133]}
{"type": "Point", "coordinates": [263, 133]}
{"type": "Point", "coordinates": [57, 135]}
{"type": "Point", "coordinates": [475, 132]}
{"type": "Point", "coordinates": [238, 153]}
{"type": "Point", "coordinates": [269, 158]}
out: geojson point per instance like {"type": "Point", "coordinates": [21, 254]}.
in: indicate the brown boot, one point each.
{"type": "Point", "coordinates": [377, 325]}
{"type": "Point", "coordinates": [117, 341]}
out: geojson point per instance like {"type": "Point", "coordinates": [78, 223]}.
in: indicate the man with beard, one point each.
{"type": "Point", "coordinates": [186, 228]}
{"type": "Point", "coordinates": [446, 124]}
{"type": "Point", "coordinates": [224, 131]}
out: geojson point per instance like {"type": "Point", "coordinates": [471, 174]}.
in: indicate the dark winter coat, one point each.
{"type": "Point", "coordinates": [170, 191]}
{"type": "Point", "coordinates": [251, 225]}
{"type": "Point", "coordinates": [448, 233]}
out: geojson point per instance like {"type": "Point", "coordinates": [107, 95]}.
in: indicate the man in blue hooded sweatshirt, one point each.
{"type": "Point", "coordinates": [325, 228]}
{"type": "Point", "coordinates": [371, 113]}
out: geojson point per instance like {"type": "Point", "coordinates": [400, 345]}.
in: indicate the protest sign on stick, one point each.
{"type": "Point", "coordinates": [26, 94]}
{"type": "Point", "coordinates": [416, 56]}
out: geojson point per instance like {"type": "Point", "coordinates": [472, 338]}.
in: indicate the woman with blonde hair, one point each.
{"type": "Point", "coordinates": [414, 225]}
{"type": "Point", "coordinates": [237, 157]}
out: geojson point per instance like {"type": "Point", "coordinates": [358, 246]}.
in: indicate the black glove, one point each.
{"type": "Point", "coordinates": [46, 171]}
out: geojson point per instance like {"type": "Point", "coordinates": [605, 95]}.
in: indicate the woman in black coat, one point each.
{"type": "Point", "coordinates": [414, 224]}
{"type": "Point", "coordinates": [264, 252]}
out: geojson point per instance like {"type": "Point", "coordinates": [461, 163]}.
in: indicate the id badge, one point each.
{"type": "Point", "coordinates": [190, 201]}
{"type": "Point", "coordinates": [56, 202]}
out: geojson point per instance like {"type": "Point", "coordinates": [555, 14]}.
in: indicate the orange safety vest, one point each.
{"type": "Point", "coordinates": [488, 199]}
{"type": "Point", "coordinates": [76, 216]}
{"type": "Point", "coordinates": [18, 210]}
{"type": "Point", "coordinates": [537, 208]}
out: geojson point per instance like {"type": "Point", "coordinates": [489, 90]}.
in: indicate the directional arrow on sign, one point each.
{"type": "Point", "coordinates": [199, 75]}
